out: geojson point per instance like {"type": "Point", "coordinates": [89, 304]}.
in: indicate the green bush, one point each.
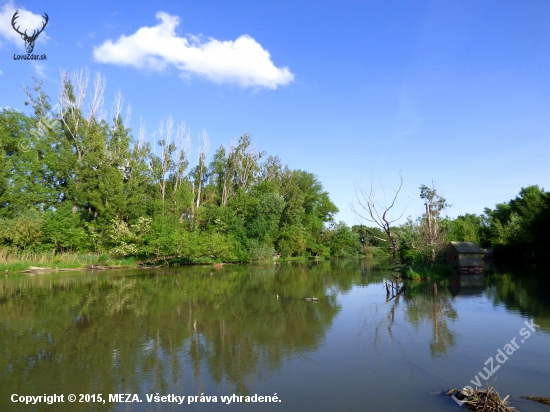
{"type": "Point", "coordinates": [63, 229]}
{"type": "Point", "coordinates": [374, 251]}
{"type": "Point", "coordinates": [412, 274]}
{"type": "Point", "coordinates": [260, 251]}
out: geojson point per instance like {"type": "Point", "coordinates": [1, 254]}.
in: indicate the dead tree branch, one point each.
{"type": "Point", "coordinates": [379, 213]}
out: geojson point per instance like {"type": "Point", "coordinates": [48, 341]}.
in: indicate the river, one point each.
{"type": "Point", "coordinates": [246, 330]}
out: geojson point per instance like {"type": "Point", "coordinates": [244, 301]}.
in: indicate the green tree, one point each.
{"type": "Point", "coordinates": [343, 242]}
{"type": "Point", "coordinates": [469, 228]}
{"type": "Point", "coordinates": [74, 180]}
{"type": "Point", "coordinates": [64, 230]}
{"type": "Point", "coordinates": [434, 236]}
{"type": "Point", "coordinates": [518, 229]}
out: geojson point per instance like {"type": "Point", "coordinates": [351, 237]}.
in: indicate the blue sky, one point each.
{"type": "Point", "coordinates": [351, 91]}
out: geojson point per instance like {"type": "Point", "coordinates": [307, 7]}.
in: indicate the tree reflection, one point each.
{"type": "Point", "coordinates": [113, 334]}
{"type": "Point", "coordinates": [430, 303]}
{"type": "Point", "coordinates": [525, 290]}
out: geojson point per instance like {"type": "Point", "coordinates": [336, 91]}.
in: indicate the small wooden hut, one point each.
{"type": "Point", "coordinates": [465, 257]}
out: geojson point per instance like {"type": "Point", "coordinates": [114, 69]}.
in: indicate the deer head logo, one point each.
{"type": "Point", "coordinates": [29, 40]}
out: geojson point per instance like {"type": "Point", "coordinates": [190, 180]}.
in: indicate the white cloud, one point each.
{"type": "Point", "coordinates": [25, 21]}
{"type": "Point", "coordinates": [242, 61]}
{"type": "Point", "coordinates": [39, 69]}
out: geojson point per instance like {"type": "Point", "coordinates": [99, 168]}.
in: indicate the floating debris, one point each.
{"type": "Point", "coordinates": [486, 400]}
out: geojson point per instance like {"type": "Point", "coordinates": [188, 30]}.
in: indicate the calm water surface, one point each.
{"type": "Point", "coordinates": [195, 330]}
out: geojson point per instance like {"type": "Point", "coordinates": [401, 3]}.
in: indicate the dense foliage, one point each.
{"type": "Point", "coordinates": [520, 228]}
{"type": "Point", "coordinates": [72, 181]}
{"type": "Point", "coordinates": [517, 230]}
{"type": "Point", "coordinates": [79, 183]}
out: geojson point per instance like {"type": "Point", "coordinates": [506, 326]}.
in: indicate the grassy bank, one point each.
{"type": "Point", "coordinates": [13, 260]}
{"type": "Point", "coordinates": [16, 261]}
{"type": "Point", "coordinates": [435, 272]}
{"type": "Point", "coordinates": [299, 258]}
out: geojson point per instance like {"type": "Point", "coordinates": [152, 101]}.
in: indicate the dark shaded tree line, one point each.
{"type": "Point", "coordinates": [517, 230]}
{"type": "Point", "coordinates": [78, 182]}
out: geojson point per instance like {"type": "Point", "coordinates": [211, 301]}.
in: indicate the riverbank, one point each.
{"type": "Point", "coordinates": [25, 261]}
{"type": "Point", "coordinates": [40, 262]}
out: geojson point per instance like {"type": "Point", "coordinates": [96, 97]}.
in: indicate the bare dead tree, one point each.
{"type": "Point", "coordinates": [118, 104]}
{"type": "Point", "coordinates": [379, 213]}
{"type": "Point", "coordinates": [71, 99]}
{"type": "Point", "coordinates": [140, 143]}
{"type": "Point", "coordinates": [72, 95]}
{"type": "Point", "coordinates": [231, 166]}
{"type": "Point", "coordinates": [128, 116]}
{"type": "Point", "coordinates": [183, 148]}
{"type": "Point", "coordinates": [226, 176]}
{"type": "Point", "coordinates": [165, 135]}
{"type": "Point", "coordinates": [96, 108]}
{"type": "Point", "coordinates": [201, 167]}
{"type": "Point", "coordinates": [142, 134]}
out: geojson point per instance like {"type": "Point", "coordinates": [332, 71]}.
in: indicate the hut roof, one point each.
{"type": "Point", "coordinates": [466, 247]}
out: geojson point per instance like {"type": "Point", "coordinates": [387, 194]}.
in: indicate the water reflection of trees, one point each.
{"type": "Point", "coordinates": [425, 303]}
{"type": "Point", "coordinates": [525, 290]}
{"type": "Point", "coordinates": [432, 304]}
{"type": "Point", "coordinates": [94, 333]}
{"type": "Point", "coordinates": [387, 322]}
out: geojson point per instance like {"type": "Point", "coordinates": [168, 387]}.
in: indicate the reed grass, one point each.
{"type": "Point", "coordinates": [15, 260]}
